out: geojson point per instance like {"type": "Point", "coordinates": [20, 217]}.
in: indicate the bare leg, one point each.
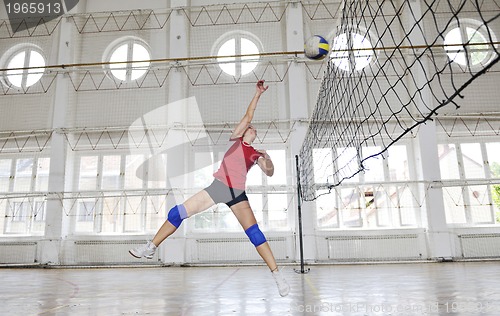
{"type": "Point", "coordinates": [195, 204]}
{"type": "Point", "coordinates": [245, 216]}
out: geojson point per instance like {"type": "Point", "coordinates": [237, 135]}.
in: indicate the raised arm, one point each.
{"type": "Point", "coordinates": [247, 118]}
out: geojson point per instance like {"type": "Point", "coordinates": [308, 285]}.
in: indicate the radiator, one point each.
{"type": "Point", "coordinates": [18, 252]}
{"type": "Point", "coordinates": [382, 247]}
{"type": "Point", "coordinates": [220, 250]}
{"type": "Point", "coordinates": [480, 245]}
{"type": "Point", "coordinates": [106, 252]}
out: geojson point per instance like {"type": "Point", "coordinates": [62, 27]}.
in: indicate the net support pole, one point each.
{"type": "Point", "coordinates": [299, 212]}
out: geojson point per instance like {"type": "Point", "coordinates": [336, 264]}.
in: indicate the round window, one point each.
{"type": "Point", "coordinates": [466, 44]}
{"type": "Point", "coordinates": [128, 58]}
{"type": "Point", "coordinates": [229, 50]}
{"type": "Point", "coordinates": [351, 51]}
{"type": "Point", "coordinates": [25, 64]}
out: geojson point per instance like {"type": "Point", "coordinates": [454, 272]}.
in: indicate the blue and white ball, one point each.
{"type": "Point", "coordinates": [316, 47]}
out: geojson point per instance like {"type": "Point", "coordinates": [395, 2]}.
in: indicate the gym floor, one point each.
{"type": "Point", "coordinates": [454, 288]}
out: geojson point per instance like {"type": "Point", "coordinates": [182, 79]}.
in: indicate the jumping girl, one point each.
{"type": "Point", "coordinates": [228, 187]}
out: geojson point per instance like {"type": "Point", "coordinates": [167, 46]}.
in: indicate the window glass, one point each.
{"type": "Point", "coordinates": [347, 161]}
{"type": "Point", "coordinates": [398, 163]}
{"type": "Point", "coordinates": [28, 57]}
{"type": "Point", "coordinates": [16, 76]}
{"type": "Point", "coordinates": [326, 209]}
{"type": "Point", "coordinates": [454, 205]}
{"type": "Point", "coordinates": [493, 150]}
{"type": "Point", "coordinates": [473, 160]}
{"type": "Point", "coordinates": [234, 45]}
{"type": "Point", "coordinates": [133, 52]}
{"type": "Point", "coordinates": [351, 207]}
{"type": "Point", "coordinates": [111, 172]}
{"type": "Point", "coordinates": [24, 174]}
{"type": "Point", "coordinates": [277, 210]}
{"type": "Point", "coordinates": [374, 168]}
{"type": "Point", "coordinates": [85, 216]}
{"type": "Point", "coordinates": [323, 165]}
{"type": "Point", "coordinates": [351, 51]}
{"type": "Point", "coordinates": [5, 166]}
{"type": "Point", "coordinates": [88, 173]}
{"type": "Point", "coordinates": [134, 175]}
{"type": "Point", "coordinates": [42, 174]}
{"type": "Point", "coordinates": [203, 176]}
{"type": "Point", "coordinates": [279, 161]}
{"type": "Point", "coordinates": [475, 53]}
{"type": "Point", "coordinates": [448, 162]}
{"type": "Point", "coordinates": [254, 176]}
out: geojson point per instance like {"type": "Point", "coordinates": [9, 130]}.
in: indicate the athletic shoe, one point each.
{"type": "Point", "coordinates": [283, 286]}
{"type": "Point", "coordinates": [147, 251]}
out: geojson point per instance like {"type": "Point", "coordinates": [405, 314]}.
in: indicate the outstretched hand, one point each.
{"type": "Point", "coordinates": [260, 87]}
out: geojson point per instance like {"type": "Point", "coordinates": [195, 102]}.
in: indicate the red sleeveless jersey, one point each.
{"type": "Point", "coordinates": [236, 163]}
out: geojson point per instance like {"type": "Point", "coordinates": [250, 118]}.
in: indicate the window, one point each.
{"type": "Point", "coordinates": [25, 212]}
{"type": "Point", "coordinates": [20, 211]}
{"type": "Point", "coordinates": [23, 56]}
{"type": "Point", "coordinates": [236, 44]}
{"type": "Point", "coordinates": [111, 175]}
{"type": "Point", "coordinates": [352, 51]}
{"type": "Point", "coordinates": [467, 203]}
{"type": "Point", "coordinates": [42, 174]}
{"type": "Point", "coordinates": [88, 173]}
{"type": "Point", "coordinates": [24, 175]}
{"type": "Point", "coordinates": [448, 163]}
{"type": "Point", "coordinates": [113, 195]}
{"type": "Point", "coordinates": [5, 172]}
{"type": "Point", "coordinates": [129, 58]}
{"type": "Point", "coordinates": [398, 163]}
{"type": "Point", "coordinates": [374, 170]}
{"type": "Point", "coordinates": [464, 44]}
{"type": "Point", "coordinates": [377, 197]}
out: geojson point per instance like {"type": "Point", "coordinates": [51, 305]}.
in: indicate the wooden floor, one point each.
{"type": "Point", "coordinates": [471, 288]}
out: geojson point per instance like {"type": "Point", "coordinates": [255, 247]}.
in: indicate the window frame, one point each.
{"type": "Point", "coordinates": [483, 30]}
{"type": "Point", "coordinates": [463, 183]}
{"type": "Point", "coordinates": [130, 41]}
{"type": "Point", "coordinates": [13, 52]}
{"type": "Point", "coordinates": [34, 206]}
{"type": "Point", "coordinates": [237, 35]}
{"type": "Point", "coordinates": [96, 226]}
{"type": "Point", "coordinates": [360, 191]}
{"type": "Point", "coordinates": [363, 33]}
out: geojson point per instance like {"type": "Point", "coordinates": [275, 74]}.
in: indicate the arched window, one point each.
{"type": "Point", "coordinates": [467, 44]}
{"type": "Point", "coordinates": [129, 58]}
{"type": "Point", "coordinates": [23, 56]}
{"type": "Point", "coordinates": [352, 51]}
{"type": "Point", "coordinates": [235, 44]}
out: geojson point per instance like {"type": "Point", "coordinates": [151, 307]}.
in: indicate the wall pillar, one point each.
{"type": "Point", "coordinates": [175, 246]}
{"type": "Point", "coordinates": [56, 222]}
{"type": "Point", "coordinates": [427, 158]}
{"type": "Point", "coordinates": [297, 99]}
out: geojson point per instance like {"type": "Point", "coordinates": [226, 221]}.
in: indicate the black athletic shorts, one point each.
{"type": "Point", "coordinates": [221, 193]}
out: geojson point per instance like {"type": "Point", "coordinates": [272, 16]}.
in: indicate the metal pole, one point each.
{"type": "Point", "coordinates": [299, 207]}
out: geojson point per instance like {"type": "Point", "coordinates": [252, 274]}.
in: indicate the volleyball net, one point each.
{"type": "Point", "coordinates": [393, 66]}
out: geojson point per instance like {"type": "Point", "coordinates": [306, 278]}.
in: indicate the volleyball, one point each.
{"type": "Point", "coordinates": [316, 47]}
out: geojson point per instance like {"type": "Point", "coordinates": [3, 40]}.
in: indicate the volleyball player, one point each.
{"type": "Point", "coordinates": [228, 187]}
